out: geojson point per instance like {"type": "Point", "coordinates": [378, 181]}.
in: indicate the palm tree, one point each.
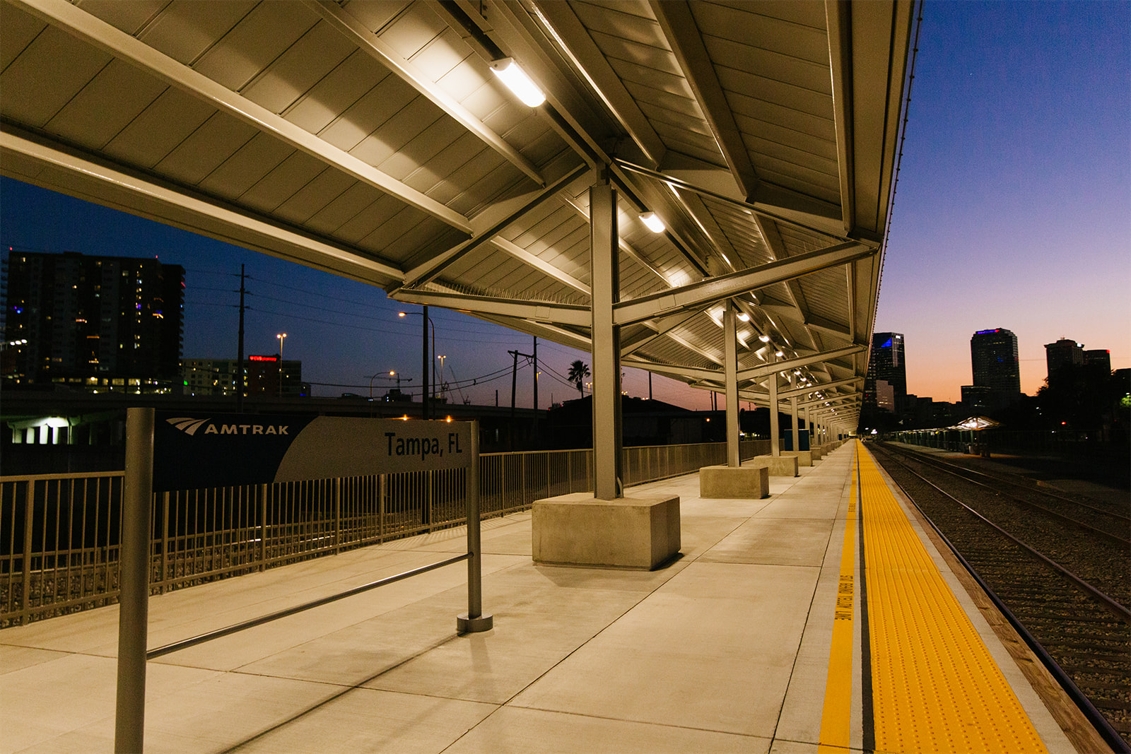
{"type": "Point", "coordinates": [578, 371]}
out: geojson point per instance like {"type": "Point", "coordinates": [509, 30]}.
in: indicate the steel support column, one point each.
{"type": "Point", "coordinates": [603, 249]}
{"type": "Point", "coordinates": [730, 366]}
{"type": "Point", "coordinates": [775, 430]}
{"type": "Point", "coordinates": [794, 438]}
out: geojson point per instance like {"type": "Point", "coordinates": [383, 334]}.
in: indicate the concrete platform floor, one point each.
{"type": "Point", "coordinates": [726, 649]}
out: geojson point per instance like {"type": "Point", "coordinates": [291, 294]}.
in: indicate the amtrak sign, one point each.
{"type": "Point", "coordinates": [236, 449]}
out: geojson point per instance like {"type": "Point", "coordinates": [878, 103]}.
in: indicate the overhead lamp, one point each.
{"type": "Point", "coordinates": [743, 317]}
{"type": "Point", "coordinates": [653, 222]}
{"type": "Point", "coordinates": [764, 338]}
{"type": "Point", "coordinates": [779, 354]}
{"type": "Point", "coordinates": [518, 82]}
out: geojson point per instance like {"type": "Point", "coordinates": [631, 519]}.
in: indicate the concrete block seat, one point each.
{"type": "Point", "coordinates": [804, 457]}
{"type": "Point", "coordinates": [778, 465]}
{"type": "Point", "coordinates": [748, 482]}
{"type": "Point", "coordinates": [629, 532]}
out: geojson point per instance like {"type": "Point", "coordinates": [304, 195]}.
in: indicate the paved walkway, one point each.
{"type": "Point", "coordinates": [726, 649]}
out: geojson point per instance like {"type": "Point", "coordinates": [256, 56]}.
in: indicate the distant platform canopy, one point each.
{"type": "Point", "coordinates": [752, 145]}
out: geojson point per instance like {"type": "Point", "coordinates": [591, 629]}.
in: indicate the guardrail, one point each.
{"type": "Point", "coordinates": [60, 534]}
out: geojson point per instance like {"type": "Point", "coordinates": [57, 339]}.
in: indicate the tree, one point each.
{"type": "Point", "coordinates": [578, 371]}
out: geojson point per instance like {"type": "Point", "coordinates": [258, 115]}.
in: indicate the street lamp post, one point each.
{"type": "Point", "coordinates": [440, 384]}
{"type": "Point", "coordinates": [424, 358]}
{"type": "Point", "coordinates": [282, 337]}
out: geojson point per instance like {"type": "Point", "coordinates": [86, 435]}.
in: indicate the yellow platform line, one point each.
{"type": "Point", "coordinates": [836, 717]}
{"type": "Point", "coordinates": [935, 686]}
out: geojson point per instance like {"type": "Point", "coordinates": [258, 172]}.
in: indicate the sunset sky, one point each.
{"type": "Point", "coordinates": [1013, 209]}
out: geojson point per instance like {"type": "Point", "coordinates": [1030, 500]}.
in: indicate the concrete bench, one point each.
{"type": "Point", "coordinates": [804, 457]}
{"type": "Point", "coordinates": [778, 466]}
{"type": "Point", "coordinates": [581, 530]}
{"type": "Point", "coordinates": [750, 482]}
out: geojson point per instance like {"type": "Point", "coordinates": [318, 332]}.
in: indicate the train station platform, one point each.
{"type": "Point", "coordinates": [749, 641]}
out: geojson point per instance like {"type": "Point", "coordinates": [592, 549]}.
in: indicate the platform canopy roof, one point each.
{"type": "Point", "coordinates": [371, 138]}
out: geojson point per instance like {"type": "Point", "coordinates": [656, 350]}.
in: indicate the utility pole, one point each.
{"type": "Point", "coordinates": [239, 352]}
{"type": "Point", "coordinates": [514, 380]}
{"type": "Point", "coordinates": [424, 368]}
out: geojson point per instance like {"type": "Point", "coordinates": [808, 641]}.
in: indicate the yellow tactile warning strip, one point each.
{"type": "Point", "coordinates": [836, 719]}
{"type": "Point", "coordinates": [935, 686]}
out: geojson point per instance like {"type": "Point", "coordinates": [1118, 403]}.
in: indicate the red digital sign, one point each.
{"type": "Point", "coordinates": [262, 358]}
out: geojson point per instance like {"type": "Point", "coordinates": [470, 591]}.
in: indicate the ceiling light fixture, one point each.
{"type": "Point", "coordinates": [518, 82]}
{"type": "Point", "coordinates": [743, 317]}
{"type": "Point", "coordinates": [764, 338]}
{"type": "Point", "coordinates": [653, 221]}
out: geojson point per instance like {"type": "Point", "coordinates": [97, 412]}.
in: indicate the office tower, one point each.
{"type": "Point", "coordinates": [107, 324]}
{"type": "Point", "coordinates": [1061, 356]}
{"type": "Point", "coordinates": [1099, 360]}
{"type": "Point", "coordinates": [993, 357]}
{"type": "Point", "coordinates": [886, 364]}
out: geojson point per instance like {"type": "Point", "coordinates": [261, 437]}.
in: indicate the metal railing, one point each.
{"type": "Point", "coordinates": [60, 534]}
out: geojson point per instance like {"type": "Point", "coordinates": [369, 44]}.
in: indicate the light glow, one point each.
{"type": "Point", "coordinates": [521, 85]}
{"type": "Point", "coordinates": [653, 222]}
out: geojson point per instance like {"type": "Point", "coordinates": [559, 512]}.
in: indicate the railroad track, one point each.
{"type": "Point", "coordinates": [1060, 583]}
{"type": "Point", "coordinates": [1109, 520]}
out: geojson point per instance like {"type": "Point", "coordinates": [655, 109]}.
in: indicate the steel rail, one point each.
{"type": "Point", "coordinates": [943, 466]}
{"type": "Point", "coordinates": [940, 462]}
{"type": "Point", "coordinates": [209, 636]}
{"type": "Point", "coordinates": [1109, 734]}
{"type": "Point", "coordinates": [1121, 611]}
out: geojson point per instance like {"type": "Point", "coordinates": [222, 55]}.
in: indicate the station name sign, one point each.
{"type": "Point", "coordinates": [192, 452]}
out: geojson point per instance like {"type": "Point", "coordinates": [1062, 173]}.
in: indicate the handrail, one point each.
{"type": "Point", "coordinates": [268, 618]}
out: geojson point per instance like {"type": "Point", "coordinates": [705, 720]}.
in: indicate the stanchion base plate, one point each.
{"type": "Point", "coordinates": [465, 625]}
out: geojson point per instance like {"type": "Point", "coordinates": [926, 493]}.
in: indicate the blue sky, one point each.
{"type": "Point", "coordinates": [1013, 209]}
{"type": "Point", "coordinates": [1014, 202]}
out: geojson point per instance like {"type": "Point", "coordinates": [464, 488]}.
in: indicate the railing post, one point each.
{"type": "Point", "coordinates": [133, 581]}
{"type": "Point", "coordinates": [382, 491]}
{"type": "Point", "coordinates": [263, 527]}
{"type": "Point", "coordinates": [164, 542]}
{"type": "Point", "coordinates": [522, 469]}
{"type": "Point", "coordinates": [474, 621]}
{"type": "Point", "coordinates": [29, 532]}
{"type": "Point", "coordinates": [337, 515]}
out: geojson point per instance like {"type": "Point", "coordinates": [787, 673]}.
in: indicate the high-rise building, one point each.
{"type": "Point", "coordinates": [1098, 359]}
{"type": "Point", "coordinates": [261, 376]}
{"type": "Point", "coordinates": [886, 364]}
{"type": "Point", "coordinates": [112, 324]}
{"type": "Point", "coordinates": [993, 357]}
{"type": "Point", "coordinates": [1063, 353]}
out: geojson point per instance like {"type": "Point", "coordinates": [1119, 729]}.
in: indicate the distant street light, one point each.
{"type": "Point", "coordinates": [424, 358]}
{"type": "Point", "coordinates": [282, 338]}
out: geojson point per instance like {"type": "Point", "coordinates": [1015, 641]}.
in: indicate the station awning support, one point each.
{"type": "Point", "coordinates": [730, 365]}
{"type": "Point", "coordinates": [604, 250]}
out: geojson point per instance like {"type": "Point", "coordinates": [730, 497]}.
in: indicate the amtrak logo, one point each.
{"type": "Point", "coordinates": [187, 424]}
{"type": "Point", "coordinates": [190, 426]}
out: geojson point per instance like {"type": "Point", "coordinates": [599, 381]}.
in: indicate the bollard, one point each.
{"type": "Point", "coordinates": [474, 621]}
{"type": "Point", "coordinates": [133, 582]}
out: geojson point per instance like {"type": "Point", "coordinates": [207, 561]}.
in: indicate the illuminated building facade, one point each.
{"type": "Point", "coordinates": [218, 377]}
{"type": "Point", "coordinates": [103, 324]}
{"type": "Point", "coordinates": [993, 358]}
{"type": "Point", "coordinates": [886, 364]}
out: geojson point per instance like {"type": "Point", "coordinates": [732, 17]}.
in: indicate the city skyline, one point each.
{"type": "Point", "coordinates": [1010, 212]}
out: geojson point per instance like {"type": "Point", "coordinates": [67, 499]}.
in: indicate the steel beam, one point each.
{"type": "Point", "coordinates": [484, 232]}
{"type": "Point", "coordinates": [101, 182]}
{"type": "Point", "coordinates": [762, 371]}
{"type": "Point", "coordinates": [560, 314]}
{"type": "Point", "coordinates": [384, 53]}
{"type": "Point", "coordinates": [702, 294]}
{"type": "Point", "coordinates": [547, 269]}
{"type": "Point", "coordinates": [678, 24]}
{"type": "Point", "coordinates": [96, 32]}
